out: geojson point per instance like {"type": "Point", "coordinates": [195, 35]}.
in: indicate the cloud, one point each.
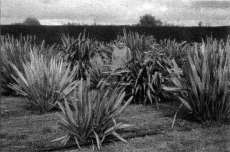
{"type": "Point", "coordinates": [48, 1]}
{"type": "Point", "coordinates": [115, 11]}
{"type": "Point", "coordinates": [211, 4]}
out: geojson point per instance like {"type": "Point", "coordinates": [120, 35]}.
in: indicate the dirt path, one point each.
{"type": "Point", "coordinates": [22, 130]}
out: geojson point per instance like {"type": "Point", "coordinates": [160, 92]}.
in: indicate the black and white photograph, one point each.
{"type": "Point", "coordinates": [114, 75]}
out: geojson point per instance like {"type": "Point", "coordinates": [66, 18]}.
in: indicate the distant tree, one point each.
{"type": "Point", "coordinates": [72, 24]}
{"type": "Point", "coordinates": [168, 24]}
{"type": "Point", "coordinates": [200, 23]}
{"type": "Point", "coordinates": [149, 20]}
{"type": "Point", "coordinates": [31, 21]}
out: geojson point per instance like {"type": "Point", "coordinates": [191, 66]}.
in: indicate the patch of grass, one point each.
{"type": "Point", "coordinates": [145, 118]}
{"type": "Point", "coordinates": [46, 130]}
{"type": "Point", "coordinates": [3, 135]}
{"type": "Point", "coordinates": [16, 137]}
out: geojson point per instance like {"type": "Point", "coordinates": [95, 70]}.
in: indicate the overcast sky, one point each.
{"type": "Point", "coordinates": [56, 12]}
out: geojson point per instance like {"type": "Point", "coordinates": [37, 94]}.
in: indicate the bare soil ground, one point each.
{"type": "Point", "coordinates": [24, 131]}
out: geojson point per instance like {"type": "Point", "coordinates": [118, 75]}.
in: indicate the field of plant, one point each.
{"type": "Point", "coordinates": [83, 94]}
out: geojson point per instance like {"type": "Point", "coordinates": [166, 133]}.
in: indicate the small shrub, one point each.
{"type": "Point", "coordinates": [205, 88]}
{"type": "Point", "coordinates": [92, 117]}
{"type": "Point", "coordinates": [43, 82]}
{"type": "Point", "coordinates": [142, 81]}
{"type": "Point", "coordinates": [175, 50]}
{"type": "Point", "coordinates": [78, 52]}
{"type": "Point", "coordinates": [97, 75]}
{"type": "Point", "coordinates": [17, 51]}
{"type": "Point", "coordinates": [138, 44]}
{"type": "Point", "coordinates": [144, 74]}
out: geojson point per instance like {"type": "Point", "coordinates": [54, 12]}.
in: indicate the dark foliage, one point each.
{"type": "Point", "coordinates": [31, 21]}
{"type": "Point", "coordinates": [149, 20]}
{"type": "Point", "coordinates": [52, 34]}
{"type": "Point", "coordinates": [145, 73]}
